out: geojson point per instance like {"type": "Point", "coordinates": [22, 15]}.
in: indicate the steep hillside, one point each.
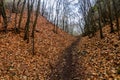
{"type": "Point", "coordinates": [16, 61]}
{"type": "Point", "coordinates": [100, 58]}
{"type": "Point", "coordinates": [58, 56]}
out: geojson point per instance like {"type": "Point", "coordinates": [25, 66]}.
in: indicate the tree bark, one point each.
{"type": "Point", "coordinates": [34, 25]}
{"type": "Point", "coordinates": [21, 16]}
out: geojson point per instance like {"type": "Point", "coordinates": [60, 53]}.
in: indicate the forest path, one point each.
{"type": "Point", "coordinates": [66, 67]}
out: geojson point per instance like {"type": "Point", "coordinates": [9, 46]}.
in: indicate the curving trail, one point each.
{"type": "Point", "coordinates": [66, 67]}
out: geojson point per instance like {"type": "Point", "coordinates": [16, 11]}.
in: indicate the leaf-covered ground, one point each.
{"type": "Point", "coordinates": [100, 58]}
{"type": "Point", "coordinates": [58, 56]}
{"type": "Point", "coordinates": [16, 59]}
{"type": "Point", "coordinates": [90, 59]}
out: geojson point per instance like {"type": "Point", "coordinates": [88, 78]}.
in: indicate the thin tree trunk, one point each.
{"type": "Point", "coordinates": [21, 16]}
{"type": "Point", "coordinates": [13, 7]}
{"type": "Point", "coordinates": [116, 16]}
{"type": "Point", "coordinates": [27, 26]}
{"type": "Point", "coordinates": [110, 16]}
{"type": "Point", "coordinates": [100, 27]}
{"type": "Point", "coordinates": [16, 15]}
{"type": "Point", "coordinates": [34, 25]}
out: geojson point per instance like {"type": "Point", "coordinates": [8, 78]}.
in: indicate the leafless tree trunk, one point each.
{"type": "Point", "coordinates": [16, 16]}
{"type": "Point", "coordinates": [14, 7]}
{"type": "Point", "coordinates": [100, 26]}
{"type": "Point", "coordinates": [27, 26]}
{"type": "Point", "coordinates": [21, 16]}
{"type": "Point", "coordinates": [116, 17]}
{"type": "Point", "coordinates": [110, 16]}
{"type": "Point", "coordinates": [34, 25]}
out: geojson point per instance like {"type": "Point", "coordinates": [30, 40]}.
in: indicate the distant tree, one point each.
{"type": "Point", "coordinates": [51, 10]}
{"type": "Point", "coordinates": [116, 16]}
{"type": "Point", "coordinates": [87, 13]}
{"type": "Point", "coordinates": [99, 12]}
{"type": "Point", "coordinates": [104, 13]}
{"type": "Point", "coordinates": [65, 13]}
{"type": "Point", "coordinates": [66, 24]}
{"type": "Point", "coordinates": [90, 18]}
{"type": "Point", "coordinates": [56, 20]}
{"type": "Point", "coordinates": [110, 15]}
{"type": "Point", "coordinates": [44, 4]}
{"type": "Point", "coordinates": [14, 7]}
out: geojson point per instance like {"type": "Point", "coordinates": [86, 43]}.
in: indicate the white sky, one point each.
{"type": "Point", "coordinates": [74, 12]}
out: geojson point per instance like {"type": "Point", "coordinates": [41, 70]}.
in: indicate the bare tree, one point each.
{"type": "Point", "coordinates": [110, 15]}
{"type": "Point", "coordinates": [99, 12]}
{"type": "Point", "coordinates": [116, 16]}
{"type": "Point", "coordinates": [56, 20]}
{"type": "Point", "coordinates": [27, 26]}
{"type": "Point", "coordinates": [16, 17]}
{"type": "Point", "coordinates": [14, 7]}
{"type": "Point", "coordinates": [34, 25]}
{"type": "Point", "coordinates": [21, 15]}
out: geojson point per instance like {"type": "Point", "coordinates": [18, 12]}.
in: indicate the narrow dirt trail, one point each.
{"type": "Point", "coordinates": [65, 68]}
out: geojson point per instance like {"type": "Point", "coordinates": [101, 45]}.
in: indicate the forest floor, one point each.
{"type": "Point", "coordinates": [16, 59]}
{"type": "Point", "coordinates": [100, 57]}
{"type": "Point", "coordinates": [58, 56]}
{"type": "Point", "coordinates": [90, 59]}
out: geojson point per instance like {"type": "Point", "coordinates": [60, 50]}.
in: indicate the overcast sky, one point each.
{"type": "Point", "coordinates": [73, 14]}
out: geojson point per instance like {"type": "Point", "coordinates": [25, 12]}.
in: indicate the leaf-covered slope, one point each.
{"type": "Point", "coordinates": [100, 57]}
{"type": "Point", "coordinates": [16, 60]}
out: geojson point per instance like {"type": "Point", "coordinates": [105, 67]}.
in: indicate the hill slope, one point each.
{"type": "Point", "coordinates": [100, 57]}
{"type": "Point", "coordinates": [16, 61]}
